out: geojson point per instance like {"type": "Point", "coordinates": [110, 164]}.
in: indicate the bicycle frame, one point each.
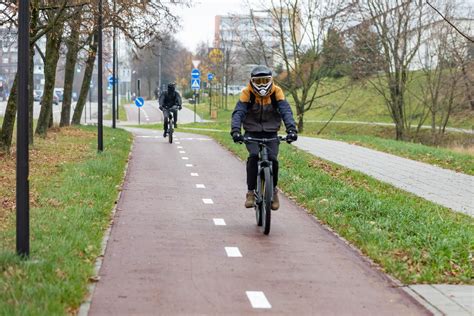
{"type": "Point", "coordinates": [263, 162]}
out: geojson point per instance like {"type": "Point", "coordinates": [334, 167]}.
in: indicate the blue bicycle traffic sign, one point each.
{"type": "Point", "coordinates": [139, 102]}
{"type": "Point", "coordinates": [111, 80]}
{"type": "Point", "coordinates": [210, 76]}
{"type": "Point", "coordinates": [195, 73]}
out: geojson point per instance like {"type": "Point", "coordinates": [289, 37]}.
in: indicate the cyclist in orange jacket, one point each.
{"type": "Point", "coordinates": [260, 109]}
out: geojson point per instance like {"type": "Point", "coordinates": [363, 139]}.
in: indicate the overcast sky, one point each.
{"type": "Point", "coordinates": [198, 21]}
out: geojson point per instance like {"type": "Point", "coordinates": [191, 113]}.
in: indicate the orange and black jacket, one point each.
{"type": "Point", "coordinates": [262, 114]}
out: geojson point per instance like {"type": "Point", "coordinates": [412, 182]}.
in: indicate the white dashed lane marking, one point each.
{"type": "Point", "coordinates": [177, 143]}
{"type": "Point", "coordinates": [189, 165]}
{"type": "Point", "coordinates": [258, 299]}
{"type": "Point", "coordinates": [193, 174]}
{"type": "Point", "coordinates": [180, 147]}
{"type": "Point", "coordinates": [207, 201]}
{"type": "Point", "coordinates": [185, 158]}
{"type": "Point", "coordinates": [219, 221]}
{"type": "Point", "coordinates": [182, 152]}
{"type": "Point", "coordinates": [233, 252]}
{"type": "Point", "coordinates": [200, 186]}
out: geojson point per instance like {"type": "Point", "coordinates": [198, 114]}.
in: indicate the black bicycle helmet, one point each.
{"type": "Point", "coordinates": [261, 80]}
{"type": "Point", "coordinates": [171, 87]}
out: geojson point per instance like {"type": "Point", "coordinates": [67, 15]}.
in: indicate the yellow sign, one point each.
{"type": "Point", "coordinates": [216, 55]}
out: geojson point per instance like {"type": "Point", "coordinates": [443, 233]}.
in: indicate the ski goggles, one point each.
{"type": "Point", "coordinates": [262, 81]}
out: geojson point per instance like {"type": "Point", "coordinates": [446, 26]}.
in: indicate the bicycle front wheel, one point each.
{"type": "Point", "coordinates": [170, 135]}
{"type": "Point", "coordinates": [267, 200]}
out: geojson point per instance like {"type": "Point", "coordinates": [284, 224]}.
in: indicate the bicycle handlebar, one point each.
{"type": "Point", "coordinates": [263, 140]}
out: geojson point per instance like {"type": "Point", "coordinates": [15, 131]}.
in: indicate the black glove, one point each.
{"type": "Point", "coordinates": [291, 136]}
{"type": "Point", "coordinates": [180, 107]}
{"type": "Point", "coordinates": [237, 137]}
{"type": "Point", "coordinates": [161, 108]}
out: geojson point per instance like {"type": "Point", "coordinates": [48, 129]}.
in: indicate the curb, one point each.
{"type": "Point", "coordinates": [87, 301]}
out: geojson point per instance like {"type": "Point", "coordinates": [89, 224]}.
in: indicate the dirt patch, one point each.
{"type": "Point", "coordinates": [48, 157]}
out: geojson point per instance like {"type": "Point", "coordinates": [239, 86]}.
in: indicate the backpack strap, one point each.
{"type": "Point", "coordinates": [252, 98]}
{"type": "Point", "coordinates": [272, 97]}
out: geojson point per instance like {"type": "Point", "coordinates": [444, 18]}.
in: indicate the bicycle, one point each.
{"type": "Point", "coordinates": [170, 129]}
{"type": "Point", "coordinates": [264, 190]}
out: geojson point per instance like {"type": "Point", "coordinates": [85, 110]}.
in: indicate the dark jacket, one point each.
{"type": "Point", "coordinates": [262, 115]}
{"type": "Point", "coordinates": [168, 100]}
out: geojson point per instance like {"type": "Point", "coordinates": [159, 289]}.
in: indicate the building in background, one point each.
{"type": "Point", "coordinates": [246, 36]}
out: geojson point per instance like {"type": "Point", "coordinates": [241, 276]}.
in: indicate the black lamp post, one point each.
{"type": "Point", "coordinates": [100, 129]}
{"type": "Point", "coordinates": [22, 167]}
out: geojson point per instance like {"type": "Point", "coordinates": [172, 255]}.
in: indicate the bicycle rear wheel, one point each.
{"type": "Point", "coordinates": [267, 193]}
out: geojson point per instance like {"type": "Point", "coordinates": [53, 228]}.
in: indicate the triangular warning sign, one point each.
{"type": "Point", "coordinates": [195, 84]}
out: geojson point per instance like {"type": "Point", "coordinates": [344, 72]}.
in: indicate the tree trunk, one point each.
{"type": "Point", "coordinates": [70, 70]}
{"type": "Point", "coordinates": [52, 51]}
{"type": "Point", "coordinates": [6, 133]}
{"type": "Point", "coordinates": [76, 118]}
{"type": "Point", "coordinates": [300, 115]}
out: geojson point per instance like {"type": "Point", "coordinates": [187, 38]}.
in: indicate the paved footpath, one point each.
{"type": "Point", "coordinates": [182, 244]}
{"type": "Point", "coordinates": [448, 188]}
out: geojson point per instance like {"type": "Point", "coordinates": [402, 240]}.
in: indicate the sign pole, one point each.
{"type": "Point", "coordinates": [22, 167]}
{"type": "Point", "coordinates": [100, 141]}
{"type": "Point", "coordinates": [114, 100]}
{"type": "Point", "coordinates": [195, 101]}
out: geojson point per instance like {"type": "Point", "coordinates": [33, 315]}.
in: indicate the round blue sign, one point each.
{"type": "Point", "coordinates": [210, 76]}
{"type": "Point", "coordinates": [139, 102]}
{"type": "Point", "coordinates": [195, 73]}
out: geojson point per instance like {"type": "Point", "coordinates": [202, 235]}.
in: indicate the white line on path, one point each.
{"type": "Point", "coordinates": [258, 299]}
{"type": "Point", "coordinates": [233, 252]}
{"type": "Point", "coordinates": [193, 174]}
{"type": "Point", "coordinates": [180, 147]}
{"type": "Point", "coordinates": [177, 143]}
{"type": "Point", "coordinates": [182, 152]}
{"type": "Point", "coordinates": [208, 201]}
{"type": "Point", "coordinates": [219, 221]}
{"type": "Point", "coordinates": [189, 165]}
{"type": "Point", "coordinates": [200, 186]}
{"type": "Point", "coordinates": [185, 158]}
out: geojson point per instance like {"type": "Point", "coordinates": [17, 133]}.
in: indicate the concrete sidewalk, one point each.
{"type": "Point", "coordinates": [183, 244]}
{"type": "Point", "coordinates": [448, 188]}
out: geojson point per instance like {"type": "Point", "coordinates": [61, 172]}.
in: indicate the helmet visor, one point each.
{"type": "Point", "coordinates": [262, 81]}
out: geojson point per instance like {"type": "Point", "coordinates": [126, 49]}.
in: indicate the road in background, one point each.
{"type": "Point", "coordinates": [151, 114]}
{"type": "Point", "coordinates": [57, 111]}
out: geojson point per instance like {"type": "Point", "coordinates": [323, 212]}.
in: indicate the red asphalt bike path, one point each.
{"type": "Point", "coordinates": [167, 256]}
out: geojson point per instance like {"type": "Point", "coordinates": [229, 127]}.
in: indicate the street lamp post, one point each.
{"type": "Point", "coordinates": [22, 167]}
{"type": "Point", "coordinates": [100, 131]}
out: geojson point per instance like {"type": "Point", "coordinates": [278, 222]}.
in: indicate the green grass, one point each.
{"type": "Point", "coordinates": [412, 239]}
{"type": "Point", "coordinates": [69, 215]}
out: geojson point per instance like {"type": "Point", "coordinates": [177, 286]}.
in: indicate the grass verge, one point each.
{"type": "Point", "coordinates": [73, 192]}
{"type": "Point", "coordinates": [412, 239]}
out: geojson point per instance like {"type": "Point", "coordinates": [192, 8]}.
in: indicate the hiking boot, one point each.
{"type": "Point", "coordinates": [276, 202]}
{"type": "Point", "coordinates": [165, 134]}
{"type": "Point", "coordinates": [250, 199]}
{"type": "Point", "coordinates": [175, 125]}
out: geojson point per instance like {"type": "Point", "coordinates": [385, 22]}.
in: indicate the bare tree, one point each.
{"type": "Point", "coordinates": [444, 56]}
{"type": "Point", "coordinates": [299, 27]}
{"type": "Point", "coordinates": [398, 24]}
